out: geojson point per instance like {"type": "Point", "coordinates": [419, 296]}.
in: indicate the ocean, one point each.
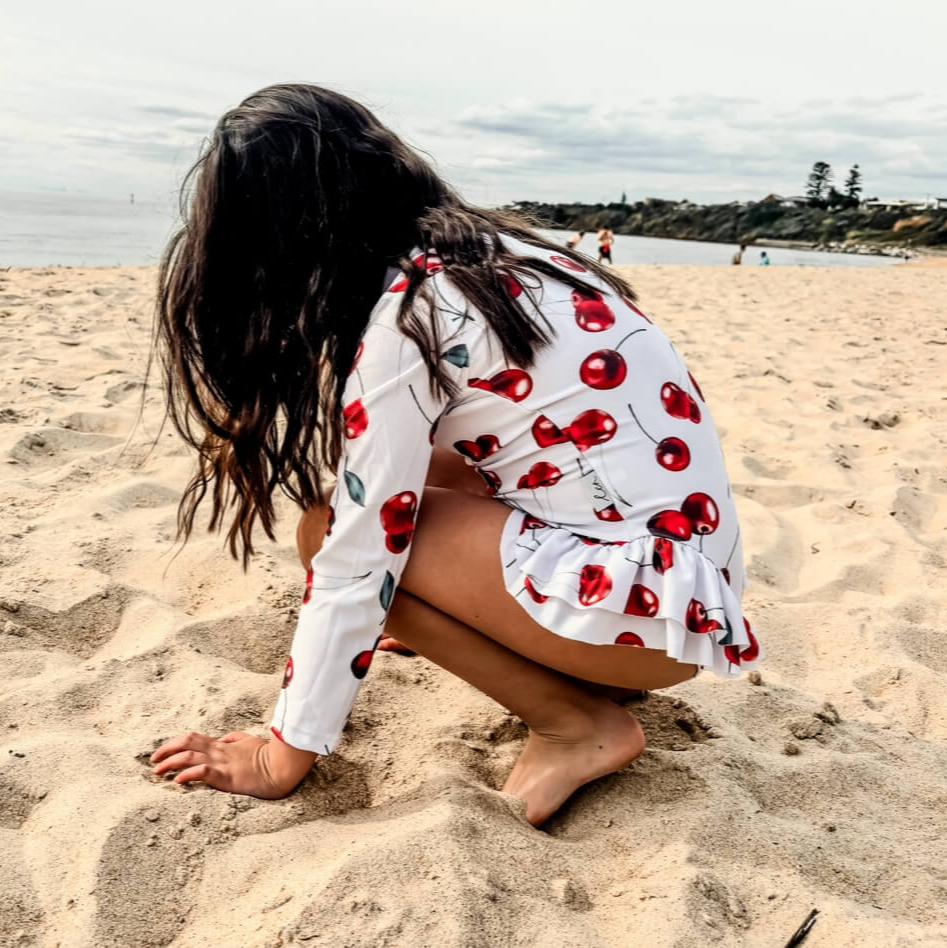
{"type": "Point", "coordinates": [59, 229]}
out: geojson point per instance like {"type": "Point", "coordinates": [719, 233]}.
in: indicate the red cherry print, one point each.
{"type": "Point", "coordinates": [749, 654]}
{"type": "Point", "coordinates": [355, 418]}
{"type": "Point", "coordinates": [603, 369]}
{"type": "Point", "coordinates": [630, 638]}
{"type": "Point", "coordinates": [672, 454]}
{"type": "Point", "coordinates": [567, 263]}
{"type": "Point", "coordinates": [397, 520]}
{"type": "Point", "coordinates": [635, 309]}
{"type": "Point", "coordinates": [278, 734]}
{"type": "Point", "coordinates": [671, 524]}
{"type": "Point", "coordinates": [532, 523]}
{"type": "Point", "coordinates": [491, 479]}
{"type": "Point", "coordinates": [361, 662]}
{"type": "Point", "coordinates": [513, 286]}
{"type": "Point", "coordinates": [594, 584]}
{"type": "Point", "coordinates": [483, 447]}
{"type": "Point", "coordinates": [422, 262]}
{"type": "Point", "coordinates": [696, 616]}
{"type": "Point", "coordinates": [752, 651]}
{"type": "Point", "coordinates": [697, 620]}
{"type": "Point", "coordinates": [330, 521]}
{"type": "Point", "coordinates": [307, 595]}
{"type": "Point", "coordinates": [594, 541]}
{"type": "Point", "coordinates": [429, 262]}
{"type": "Point", "coordinates": [534, 594]}
{"type": "Point", "coordinates": [288, 672]}
{"type": "Point", "coordinates": [662, 557]}
{"type": "Point", "coordinates": [592, 313]}
{"type": "Point", "coordinates": [726, 574]}
{"type": "Point", "coordinates": [642, 602]}
{"type": "Point", "coordinates": [592, 427]}
{"type": "Point", "coordinates": [546, 432]}
{"type": "Point", "coordinates": [696, 387]}
{"type": "Point", "coordinates": [609, 514]}
{"type": "Point", "coordinates": [513, 384]}
{"type": "Point", "coordinates": [678, 404]}
{"type": "Point", "coordinates": [541, 474]}
{"type": "Point", "coordinates": [702, 512]}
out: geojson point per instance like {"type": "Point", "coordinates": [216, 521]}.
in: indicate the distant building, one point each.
{"type": "Point", "coordinates": [784, 201]}
{"type": "Point", "coordinates": [876, 205]}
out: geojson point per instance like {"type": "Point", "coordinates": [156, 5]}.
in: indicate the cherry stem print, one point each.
{"type": "Point", "coordinates": [420, 409]}
{"type": "Point", "coordinates": [671, 453]}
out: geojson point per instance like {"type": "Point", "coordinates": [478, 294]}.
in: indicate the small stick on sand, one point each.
{"type": "Point", "coordinates": [800, 934]}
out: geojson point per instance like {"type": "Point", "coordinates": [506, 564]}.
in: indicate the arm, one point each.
{"type": "Point", "coordinates": [353, 577]}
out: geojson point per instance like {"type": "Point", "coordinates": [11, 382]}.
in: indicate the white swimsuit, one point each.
{"type": "Point", "coordinates": [621, 530]}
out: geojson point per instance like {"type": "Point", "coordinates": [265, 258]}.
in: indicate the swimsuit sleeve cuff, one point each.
{"type": "Point", "coordinates": [323, 744]}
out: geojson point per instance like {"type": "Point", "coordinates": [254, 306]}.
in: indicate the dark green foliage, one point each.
{"type": "Point", "coordinates": [817, 184]}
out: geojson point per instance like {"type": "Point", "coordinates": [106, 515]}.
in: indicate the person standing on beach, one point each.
{"type": "Point", "coordinates": [512, 500]}
{"type": "Point", "coordinates": [737, 258]}
{"type": "Point", "coordinates": [764, 259]}
{"type": "Point", "coordinates": [605, 240]}
{"type": "Point", "coordinates": [573, 242]}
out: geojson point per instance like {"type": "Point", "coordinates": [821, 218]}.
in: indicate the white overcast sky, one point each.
{"type": "Point", "coordinates": [520, 99]}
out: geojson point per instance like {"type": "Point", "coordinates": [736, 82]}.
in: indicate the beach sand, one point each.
{"type": "Point", "coordinates": [822, 785]}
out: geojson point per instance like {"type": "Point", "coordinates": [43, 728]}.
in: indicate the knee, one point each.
{"type": "Point", "coordinates": [311, 532]}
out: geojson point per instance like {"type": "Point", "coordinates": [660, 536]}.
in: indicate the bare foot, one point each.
{"type": "Point", "coordinates": [388, 644]}
{"type": "Point", "coordinates": [553, 766]}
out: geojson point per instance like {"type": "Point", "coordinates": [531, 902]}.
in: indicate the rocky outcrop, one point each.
{"type": "Point", "coordinates": [750, 222]}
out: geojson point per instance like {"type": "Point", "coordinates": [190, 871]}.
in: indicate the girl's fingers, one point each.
{"type": "Point", "coordinates": [179, 762]}
{"type": "Point", "coordinates": [234, 736]}
{"type": "Point", "coordinates": [190, 741]}
{"type": "Point", "coordinates": [202, 772]}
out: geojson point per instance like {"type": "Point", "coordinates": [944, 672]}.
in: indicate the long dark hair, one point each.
{"type": "Point", "coordinates": [292, 214]}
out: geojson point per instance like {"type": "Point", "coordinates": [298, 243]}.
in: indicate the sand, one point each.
{"type": "Point", "coordinates": [821, 785]}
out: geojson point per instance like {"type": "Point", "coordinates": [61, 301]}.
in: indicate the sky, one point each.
{"type": "Point", "coordinates": [513, 100]}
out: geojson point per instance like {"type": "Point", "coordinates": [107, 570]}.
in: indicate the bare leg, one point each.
{"type": "Point", "coordinates": [574, 737]}
{"type": "Point", "coordinates": [448, 470]}
{"type": "Point", "coordinates": [453, 608]}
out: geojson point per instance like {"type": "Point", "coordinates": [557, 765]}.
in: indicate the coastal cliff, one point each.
{"type": "Point", "coordinates": [766, 221]}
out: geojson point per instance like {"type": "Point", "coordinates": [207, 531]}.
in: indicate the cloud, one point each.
{"type": "Point", "coordinates": [709, 143]}
{"type": "Point", "coordinates": [174, 112]}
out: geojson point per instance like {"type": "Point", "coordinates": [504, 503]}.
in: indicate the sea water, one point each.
{"type": "Point", "coordinates": [64, 229]}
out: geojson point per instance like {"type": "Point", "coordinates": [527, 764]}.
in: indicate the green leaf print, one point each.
{"type": "Point", "coordinates": [387, 591]}
{"type": "Point", "coordinates": [355, 487]}
{"type": "Point", "coordinates": [458, 355]}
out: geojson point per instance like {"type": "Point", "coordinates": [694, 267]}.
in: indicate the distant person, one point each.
{"type": "Point", "coordinates": [764, 259]}
{"type": "Point", "coordinates": [605, 240]}
{"type": "Point", "coordinates": [573, 242]}
{"type": "Point", "coordinates": [737, 258]}
{"type": "Point", "coordinates": [572, 553]}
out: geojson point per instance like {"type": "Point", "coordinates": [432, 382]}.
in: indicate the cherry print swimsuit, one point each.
{"type": "Point", "coordinates": [622, 529]}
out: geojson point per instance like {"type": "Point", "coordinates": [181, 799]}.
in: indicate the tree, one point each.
{"type": "Point", "coordinates": [853, 184]}
{"type": "Point", "coordinates": [818, 183]}
{"type": "Point", "coordinates": [624, 196]}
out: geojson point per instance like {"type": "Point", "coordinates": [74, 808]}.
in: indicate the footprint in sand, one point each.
{"type": "Point", "coordinates": [148, 872]}
{"type": "Point", "coordinates": [78, 630]}
{"type": "Point", "coordinates": [49, 447]}
{"type": "Point", "coordinates": [256, 642]}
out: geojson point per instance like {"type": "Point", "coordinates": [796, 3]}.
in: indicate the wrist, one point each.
{"type": "Point", "coordinates": [288, 763]}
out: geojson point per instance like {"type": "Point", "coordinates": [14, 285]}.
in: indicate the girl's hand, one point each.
{"type": "Point", "coordinates": [237, 763]}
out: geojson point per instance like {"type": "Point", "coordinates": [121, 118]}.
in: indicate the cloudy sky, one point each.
{"type": "Point", "coordinates": [520, 99]}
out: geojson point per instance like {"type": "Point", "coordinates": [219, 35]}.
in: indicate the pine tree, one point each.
{"type": "Point", "coordinates": [853, 184]}
{"type": "Point", "coordinates": [818, 183]}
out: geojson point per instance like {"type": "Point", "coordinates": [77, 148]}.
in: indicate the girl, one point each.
{"type": "Point", "coordinates": [529, 487]}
